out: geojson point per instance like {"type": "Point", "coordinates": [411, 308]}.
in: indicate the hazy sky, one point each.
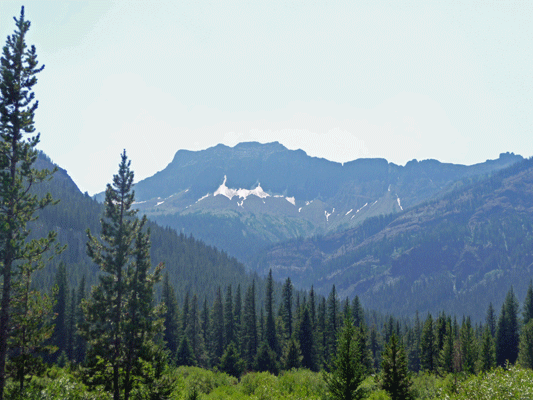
{"type": "Point", "coordinates": [341, 80]}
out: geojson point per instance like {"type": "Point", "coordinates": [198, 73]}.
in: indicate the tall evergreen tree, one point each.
{"type": "Point", "coordinates": [306, 341]}
{"type": "Point", "coordinates": [347, 374]}
{"type": "Point", "coordinates": [120, 320]}
{"type": "Point", "coordinates": [80, 344]}
{"type": "Point", "coordinates": [287, 307]}
{"type": "Point", "coordinates": [18, 70]}
{"type": "Point", "coordinates": [527, 314]}
{"type": "Point", "coordinates": [358, 313]}
{"type": "Point", "coordinates": [217, 329]}
{"type": "Point", "coordinates": [396, 379]}
{"type": "Point", "coordinates": [270, 328]}
{"type": "Point", "coordinates": [525, 353]}
{"type": "Point", "coordinates": [170, 316]}
{"type": "Point", "coordinates": [468, 347]}
{"type": "Point", "coordinates": [507, 331]}
{"type": "Point", "coordinates": [491, 320]}
{"type": "Point", "coordinates": [229, 320]}
{"type": "Point", "coordinates": [427, 346]}
{"type": "Point", "coordinates": [60, 311]}
{"type": "Point", "coordinates": [332, 322]}
{"type": "Point", "coordinates": [487, 358]}
{"type": "Point", "coordinates": [249, 328]}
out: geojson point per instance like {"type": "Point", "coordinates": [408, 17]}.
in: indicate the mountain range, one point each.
{"type": "Point", "coordinates": [245, 198]}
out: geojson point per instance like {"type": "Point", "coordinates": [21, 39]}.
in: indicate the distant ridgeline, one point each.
{"type": "Point", "coordinates": [456, 252]}
{"type": "Point", "coordinates": [245, 198]}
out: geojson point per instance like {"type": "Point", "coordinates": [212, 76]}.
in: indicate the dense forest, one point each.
{"type": "Point", "coordinates": [130, 310]}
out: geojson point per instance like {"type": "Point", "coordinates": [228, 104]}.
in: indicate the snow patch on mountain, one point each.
{"type": "Point", "coordinates": [349, 212]}
{"type": "Point", "coordinates": [203, 197]}
{"type": "Point", "coordinates": [291, 200]}
{"type": "Point", "coordinates": [159, 202]}
{"type": "Point", "coordinates": [241, 193]}
{"type": "Point", "coordinates": [399, 204]}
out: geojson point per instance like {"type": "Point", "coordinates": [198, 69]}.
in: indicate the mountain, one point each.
{"type": "Point", "coordinates": [244, 198]}
{"type": "Point", "coordinates": [457, 252]}
{"type": "Point", "coordinates": [191, 264]}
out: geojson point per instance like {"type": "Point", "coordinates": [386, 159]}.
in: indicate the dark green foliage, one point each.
{"type": "Point", "coordinates": [468, 347]}
{"type": "Point", "coordinates": [19, 257]}
{"type": "Point", "coordinates": [427, 346]}
{"type": "Point", "coordinates": [120, 320]}
{"type": "Point", "coordinates": [507, 331]}
{"type": "Point", "coordinates": [306, 341]}
{"type": "Point", "coordinates": [270, 326]}
{"type": "Point", "coordinates": [491, 320]}
{"type": "Point", "coordinates": [231, 362]}
{"type": "Point", "coordinates": [249, 328]}
{"type": "Point", "coordinates": [229, 319]}
{"type": "Point", "coordinates": [525, 353]}
{"type": "Point", "coordinates": [265, 360]}
{"type": "Point", "coordinates": [527, 314]}
{"type": "Point", "coordinates": [346, 372]}
{"type": "Point", "coordinates": [185, 355]}
{"type": "Point", "coordinates": [395, 375]}
{"type": "Point", "coordinates": [61, 331]}
{"type": "Point", "coordinates": [217, 329]}
{"type": "Point", "coordinates": [286, 308]}
{"type": "Point", "coordinates": [170, 316]}
{"type": "Point", "coordinates": [292, 356]}
{"type": "Point", "coordinates": [487, 358]}
{"type": "Point", "coordinates": [332, 323]}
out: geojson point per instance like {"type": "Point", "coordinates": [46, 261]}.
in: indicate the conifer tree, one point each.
{"type": "Point", "coordinates": [120, 320]}
{"type": "Point", "coordinates": [358, 313]}
{"type": "Point", "coordinates": [427, 346]}
{"type": "Point", "coordinates": [249, 328]}
{"type": "Point", "coordinates": [270, 328]}
{"type": "Point", "coordinates": [217, 329]}
{"type": "Point", "coordinates": [347, 374]}
{"type": "Point", "coordinates": [491, 320]}
{"type": "Point", "coordinates": [306, 341]}
{"type": "Point", "coordinates": [265, 359]}
{"type": "Point", "coordinates": [231, 363]}
{"type": "Point", "coordinates": [286, 308]}
{"type": "Point", "coordinates": [507, 331]}
{"type": "Point", "coordinates": [229, 320]}
{"type": "Point", "coordinates": [487, 358]}
{"type": "Point", "coordinates": [396, 379]}
{"type": "Point", "coordinates": [80, 344]}
{"type": "Point", "coordinates": [525, 354]}
{"type": "Point", "coordinates": [468, 347]}
{"type": "Point", "coordinates": [332, 322]}
{"type": "Point", "coordinates": [527, 314]}
{"type": "Point", "coordinates": [291, 356]}
{"type": "Point", "coordinates": [18, 70]}
{"type": "Point", "coordinates": [170, 316]}
{"type": "Point", "coordinates": [60, 311]}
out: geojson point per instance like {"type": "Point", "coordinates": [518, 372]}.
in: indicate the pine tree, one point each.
{"type": "Point", "coordinates": [347, 374]}
{"type": "Point", "coordinates": [270, 328]}
{"type": "Point", "coordinates": [80, 344]}
{"type": "Point", "coordinates": [291, 356]}
{"type": "Point", "coordinates": [527, 314]}
{"type": "Point", "coordinates": [427, 346]}
{"type": "Point", "coordinates": [60, 311]}
{"type": "Point", "coordinates": [468, 347]}
{"type": "Point", "coordinates": [185, 356]}
{"type": "Point", "coordinates": [358, 313]}
{"type": "Point", "coordinates": [286, 310]}
{"type": "Point", "coordinates": [265, 359]}
{"type": "Point", "coordinates": [18, 205]}
{"type": "Point", "coordinates": [491, 320]}
{"type": "Point", "coordinates": [507, 331]}
{"type": "Point", "coordinates": [306, 341]}
{"type": "Point", "coordinates": [170, 316]}
{"type": "Point", "coordinates": [249, 328]}
{"type": "Point", "coordinates": [120, 320]}
{"type": "Point", "coordinates": [229, 320]}
{"type": "Point", "coordinates": [525, 354]}
{"type": "Point", "coordinates": [231, 363]}
{"type": "Point", "coordinates": [487, 358]}
{"type": "Point", "coordinates": [332, 323]}
{"type": "Point", "coordinates": [217, 329]}
{"type": "Point", "coordinates": [396, 379]}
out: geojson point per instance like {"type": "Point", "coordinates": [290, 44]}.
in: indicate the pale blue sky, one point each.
{"type": "Point", "coordinates": [341, 80]}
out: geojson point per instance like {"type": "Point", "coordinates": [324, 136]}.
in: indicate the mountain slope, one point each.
{"type": "Point", "coordinates": [191, 265]}
{"type": "Point", "coordinates": [457, 252]}
{"type": "Point", "coordinates": [244, 198]}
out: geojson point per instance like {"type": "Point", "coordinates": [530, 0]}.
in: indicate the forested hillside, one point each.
{"type": "Point", "coordinates": [457, 253]}
{"type": "Point", "coordinates": [191, 265]}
